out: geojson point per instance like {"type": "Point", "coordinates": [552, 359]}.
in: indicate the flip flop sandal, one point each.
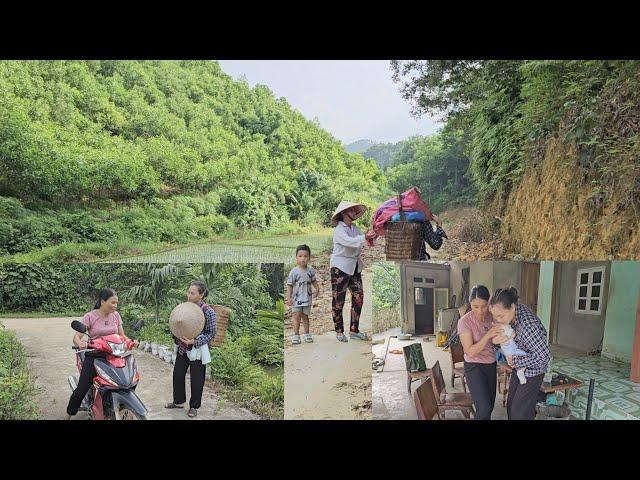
{"type": "Point", "coordinates": [358, 335]}
{"type": "Point", "coordinates": [295, 339]}
{"type": "Point", "coordinates": [308, 338]}
{"type": "Point", "coordinates": [192, 412]}
{"type": "Point", "coordinates": [173, 405]}
{"type": "Point", "coordinates": [341, 337]}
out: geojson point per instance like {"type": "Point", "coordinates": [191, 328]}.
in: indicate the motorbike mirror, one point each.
{"type": "Point", "coordinates": [79, 326]}
{"type": "Point", "coordinates": [139, 325]}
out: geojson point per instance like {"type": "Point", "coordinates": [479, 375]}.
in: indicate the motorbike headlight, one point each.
{"type": "Point", "coordinates": [104, 375]}
{"type": "Point", "coordinates": [117, 348]}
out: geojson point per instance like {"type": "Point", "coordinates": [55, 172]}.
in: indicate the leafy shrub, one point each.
{"type": "Point", "coordinates": [155, 333]}
{"type": "Point", "coordinates": [266, 395]}
{"type": "Point", "coordinates": [17, 391]}
{"type": "Point", "coordinates": [263, 349]}
{"type": "Point", "coordinates": [131, 313]}
{"type": "Point", "coordinates": [34, 287]}
{"type": "Point", "coordinates": [231, 365]}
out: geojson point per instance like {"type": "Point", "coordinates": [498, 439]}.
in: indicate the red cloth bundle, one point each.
{"type": "Point", "coordinates": [411, 202]}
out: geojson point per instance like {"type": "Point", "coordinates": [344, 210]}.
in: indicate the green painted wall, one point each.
{"type": "Point", "coordinates": [545, 292]}
{"type": "Point", "coordinates": [620, 324]}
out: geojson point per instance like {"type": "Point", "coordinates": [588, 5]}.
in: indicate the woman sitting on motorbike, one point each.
{"type": "Point", "coordinates": [103, 320]}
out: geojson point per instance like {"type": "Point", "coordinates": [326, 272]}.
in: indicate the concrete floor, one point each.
{"type": "Point", "coordinates": [390, 400]}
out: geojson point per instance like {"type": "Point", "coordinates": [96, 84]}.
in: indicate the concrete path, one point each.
{"type": "Point", "coordinates": [49, 340]}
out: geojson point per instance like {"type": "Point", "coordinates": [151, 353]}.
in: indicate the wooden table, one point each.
{"type": "Point", "coordinates": [560, 382]}
{"type": "Point", "coordinates": [546, 387]}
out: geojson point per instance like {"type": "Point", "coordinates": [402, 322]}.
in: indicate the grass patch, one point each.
{"type": "Point", "coordinates": [17, 390]}
{"type": "Point", "coordinates": [263, 249]}
{"type": "Point", "coordinates": [255, 387]}
{"type": "Point", "coordinates": [228, 247]}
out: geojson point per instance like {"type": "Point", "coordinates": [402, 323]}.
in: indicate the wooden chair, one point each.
{"type": "Point", "coordinates": [415, 364]}
{"type": "Point", "coordinates": [457, 356]}
{"type": "Point", "coordinates": [504, 376]}
{"type": "Point", "coordinates": [450, 401]}
{"type": "Point", "coordinates": [425, 401]}
{"type": "Point", "coordinates": [427, 405]}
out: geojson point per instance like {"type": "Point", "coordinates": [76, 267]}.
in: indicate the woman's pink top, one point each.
{"type": "Point", "coordinates": [100, 326]}
{"type": "Point", "coordinates": [478, 329]}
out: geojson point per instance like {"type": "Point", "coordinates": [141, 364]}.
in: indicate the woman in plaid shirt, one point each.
{"type": "Point", "coordinates": [433, 237]}
{"type": "Point", "coordinates": [531, 337]}
{"type": "Point", "coordinates": [196, 294]}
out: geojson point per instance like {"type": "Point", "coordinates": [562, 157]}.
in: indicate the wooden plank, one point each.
{"type": "Point", "coordinates": [529, 278]}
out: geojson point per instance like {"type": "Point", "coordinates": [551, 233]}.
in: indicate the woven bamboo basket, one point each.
{"type": "Point", "coordinates": [222, 320]}
{"type": "Point", "coordinates": [402, 240]}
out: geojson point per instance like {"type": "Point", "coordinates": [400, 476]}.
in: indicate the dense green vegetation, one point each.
{"type": "Point", "coordinates": [93, 152]}
{"type": "Point", "coordinates": [508, 110]}
{"type": "Point", "coordinates": [386, 296]}
{"type": "Point", "coordinates": [255, 334]}
{"type": "Point", "coordinates": [17, 389]}
{"type": "Point", "coordinates": [437, 166]}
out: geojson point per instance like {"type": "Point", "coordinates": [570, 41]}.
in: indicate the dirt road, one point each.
{"type": "Point", "coordinates": [328, 379]}
{"type": "Point", "coordinates": [48, 341]}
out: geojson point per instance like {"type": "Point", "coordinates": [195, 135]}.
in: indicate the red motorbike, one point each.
{"type": "Point", "coordinates": [112, 395]}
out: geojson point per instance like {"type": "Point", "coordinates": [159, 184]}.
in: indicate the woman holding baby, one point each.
{"type": "Point", "coordinates": [531, 351]}
{"type": "Point", "coordinates": [477, 330]}
{"type": "Point", "coordinates": [524, 341]}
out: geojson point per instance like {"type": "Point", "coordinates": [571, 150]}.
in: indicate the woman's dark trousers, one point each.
{"type": "Point", "coordinates": [85, 381]}
{"type": "Point", "coordinates": [482, 381]}
{"type": "Point", "coordinates": [522, 399]}
{"type": "Point", "coordinates": [197, 380]}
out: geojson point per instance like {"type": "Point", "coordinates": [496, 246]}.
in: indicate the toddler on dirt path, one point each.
{"type": "Point", "coordinates": [299, 295]}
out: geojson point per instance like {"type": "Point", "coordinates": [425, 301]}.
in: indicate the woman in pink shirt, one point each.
{"type": "Point", "coordinates": [103, 320]}
{"type": "Point", "coordinates": [476, 332]}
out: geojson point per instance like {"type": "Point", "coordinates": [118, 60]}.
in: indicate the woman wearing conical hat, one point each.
{"type": "Point", "coordinates": [346, 268]}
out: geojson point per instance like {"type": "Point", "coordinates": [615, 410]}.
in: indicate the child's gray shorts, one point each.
{"type": "Point", "coordinates": [306, 310]}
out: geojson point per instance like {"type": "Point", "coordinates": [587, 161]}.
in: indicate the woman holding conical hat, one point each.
{"type": "Point", "coordinates": [193, 354]}
{"type": "Point", "coordinates": [346, 267]}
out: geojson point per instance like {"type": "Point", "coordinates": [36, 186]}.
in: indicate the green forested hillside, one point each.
{"type": "Point", "coordinates": [437, 165]}
{"type": "Point", "coordinates": [166, 151]}
{"type": "Point", "coordinates": [510, 109]}
{"type": "Point", "coordinates": [553, 146]}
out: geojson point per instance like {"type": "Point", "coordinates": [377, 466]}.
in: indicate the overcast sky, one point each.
{"type": "Point", "coordinates": [352, 99]}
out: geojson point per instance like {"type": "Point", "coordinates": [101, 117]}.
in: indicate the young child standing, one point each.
{"type": "Point", "coordinates": [299, 295]}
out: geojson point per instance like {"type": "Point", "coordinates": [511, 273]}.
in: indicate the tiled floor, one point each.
{"type": "Point", "coordinates": [615, 396]}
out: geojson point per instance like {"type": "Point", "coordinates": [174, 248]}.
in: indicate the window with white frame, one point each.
{"type": "Point", "coordinates": [589, 287]}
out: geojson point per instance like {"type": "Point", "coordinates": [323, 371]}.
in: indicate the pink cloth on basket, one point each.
{"type": "Point", "coordinates": [411, 202]}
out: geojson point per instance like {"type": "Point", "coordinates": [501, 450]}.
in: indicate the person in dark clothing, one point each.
{"type": "Point", "coordinates": [433, 238]}
{"type": "Point", "coordinates": [476, 332]}
{"type": "Point", "coordinates": [186, 360]}
{"type": "Point", "coordinates": [531, 337]}
{"type": "Point", "coordinates": [103, 320]}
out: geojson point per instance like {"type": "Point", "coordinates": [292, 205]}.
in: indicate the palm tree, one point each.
{"type": "Point", "coordinates": [160, 286]}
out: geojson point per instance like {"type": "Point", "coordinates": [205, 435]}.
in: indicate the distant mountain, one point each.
{"type": "Point", "coordinates": [359, 146]}
{"type": "Point", "coordinates": [382, 153]}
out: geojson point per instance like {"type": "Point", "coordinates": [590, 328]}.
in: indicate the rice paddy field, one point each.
{"type": "Point", "coordinates": [274, 249]}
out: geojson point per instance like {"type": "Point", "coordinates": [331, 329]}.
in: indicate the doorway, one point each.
{"type": "Point", "coordinates": [423, 301]}
{"type": "Point", "coordinates": [529, 279]}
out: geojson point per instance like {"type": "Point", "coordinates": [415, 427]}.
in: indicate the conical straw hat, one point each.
{"type": "Point", "coordinates": [344, 205]}
{"type": "Point", "coordinates": [186, 320]}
